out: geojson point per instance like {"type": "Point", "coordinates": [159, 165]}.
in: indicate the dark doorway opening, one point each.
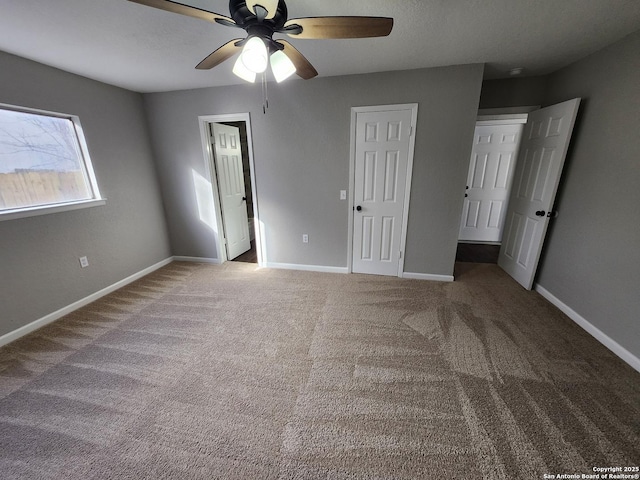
{"type": "Point", "coordinates": [477, 253]}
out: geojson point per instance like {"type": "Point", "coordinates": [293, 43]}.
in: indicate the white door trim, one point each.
{"type": "Point", "coordinates": [352, 172]}
{"type": "Point", "coordinates": [204, 121]}
{"type": "Point", "coordinates": [488, 120]}
{"type": "Point", "coordinates": [508, 110]}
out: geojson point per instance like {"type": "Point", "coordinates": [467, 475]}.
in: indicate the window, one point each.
{"type": "Point", "coordinates": [44, 164]}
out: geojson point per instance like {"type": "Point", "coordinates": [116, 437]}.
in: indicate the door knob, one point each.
{"type": "Point", "coordinates": [244, 199]}
{"type": "Point", "coordinates": [359, 208]}
{"type": "Point", "coordinates": [540, 213]}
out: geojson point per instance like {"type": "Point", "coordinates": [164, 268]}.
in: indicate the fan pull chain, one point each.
{"type": "Point", "coordinates": [265, 96]}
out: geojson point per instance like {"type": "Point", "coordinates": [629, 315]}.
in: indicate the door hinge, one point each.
{"type": "Point", "coordinates": [400, 253]}
{"type": "Point", "coordinates": [411, 131]}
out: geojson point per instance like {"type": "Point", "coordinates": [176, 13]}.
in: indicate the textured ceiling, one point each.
{"type": "Point", "coordinates": [149, 50]}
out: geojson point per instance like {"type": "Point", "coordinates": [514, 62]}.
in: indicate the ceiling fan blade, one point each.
{"type": "Point", "coordinates": [188, 10]}
{"type": "Point", "coordinates": [341, 27]}
{"type": "Point", "coordinates": [225, 52]}
{"type": "Point", "coordinates": [271, 6]}
{"type": "Point", "coordinates": [304, 69]}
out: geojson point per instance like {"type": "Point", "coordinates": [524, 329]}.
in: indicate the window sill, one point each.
{"type": "Point", "coordinates": [48, 209]}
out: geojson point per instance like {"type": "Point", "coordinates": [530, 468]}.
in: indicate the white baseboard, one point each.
{"type": "Point", "coordinates": [214, 261]}
{"type": "Point", "coordinates": [306, 268]}
{"type": "Point", "coordinates": [428, 276]}
{"type": "Point", "coordinates": [602, 337]}
{"type": "Point", "coordinates": [52, 317]}
{"type": "Point", "coordinates": [320, 268]}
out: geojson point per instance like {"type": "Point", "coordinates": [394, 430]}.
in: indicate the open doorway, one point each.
{"type": "Point", "coordinates": [494, 153]}
{"type": "Point", "coordinates": [250, 255]}
{"type": "Point", "coordinates": [229, 155]}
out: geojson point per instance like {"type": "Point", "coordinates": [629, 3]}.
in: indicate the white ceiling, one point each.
{"type": "Point", "coordinates": [149, 50]}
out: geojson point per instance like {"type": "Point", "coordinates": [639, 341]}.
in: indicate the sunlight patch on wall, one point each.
{"type": "Point", "coordinates": [204, 198]}
{"type": "Point", "coordinates": [260, 233]}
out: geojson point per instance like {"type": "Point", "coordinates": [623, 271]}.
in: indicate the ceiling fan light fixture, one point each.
{"type": "Point", "coordinates": [255, 55]}
{"type": "Point", "coordinates": [271, 6]}
{"type": "Point", "coordinates": [240, 70]}
{"type": "Point", "coordinates": [282, 66]}
{"type": "Point", "coordinates": [261, 19]}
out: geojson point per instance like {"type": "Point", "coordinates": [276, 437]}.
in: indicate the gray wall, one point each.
{"type": "Point", "coordinates": [39, 269]}
{"type": "Point", "coordinates": [301, 151]}
{"type": "Point", "coordinates": [592, 254]}
{"type": "Point", "coordinates": [513, 92]}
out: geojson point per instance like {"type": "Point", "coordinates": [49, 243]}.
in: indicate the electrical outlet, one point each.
{"type": "Point", "coordinates": [343, 194]}
{"type": "Point", "coordinates": [84, 262]}
{"type": "Point", "coordinates": [305, 238]}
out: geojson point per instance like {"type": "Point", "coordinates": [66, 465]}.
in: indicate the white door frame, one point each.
{"type": "Point", "coordinates": [352, 173]}
{"type": "Point", "coordinates": [212, 177]}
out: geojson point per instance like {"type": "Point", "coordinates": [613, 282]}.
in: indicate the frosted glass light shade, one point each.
{"type": "Point", "coordinates": [243, 72]}
{"type": "Point", "coordinates": [281, 66]}
{"type": "Point", "coordinates": [255, 55]}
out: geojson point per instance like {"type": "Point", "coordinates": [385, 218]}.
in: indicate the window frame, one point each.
{"type": "Point", "coordinates": [92, 182]}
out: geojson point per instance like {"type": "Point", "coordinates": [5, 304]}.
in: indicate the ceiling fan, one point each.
{"type": "Point", "coordinates": [261, 19]}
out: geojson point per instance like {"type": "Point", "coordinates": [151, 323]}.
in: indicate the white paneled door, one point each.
{"type": "Point", "coordinates": [491, 168]}
{"type": "Point", "coordinates": [382, 149]}
{"type": "Point", "coordinates": [233, 201]}
{"type": "Point", "coordinates": [542, 154]}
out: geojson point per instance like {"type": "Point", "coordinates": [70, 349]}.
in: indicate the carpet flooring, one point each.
{"type": "Point", "coordinates": [234, 372]}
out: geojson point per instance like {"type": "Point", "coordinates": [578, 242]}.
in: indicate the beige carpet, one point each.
{"type": "Point", "coordinates": [232, 372]}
